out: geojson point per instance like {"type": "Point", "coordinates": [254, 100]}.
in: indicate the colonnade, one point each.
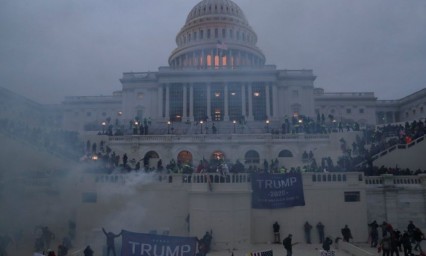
{"type": "Point", "coordinates": [245, 94]}
{"type": "Point", "coordinates": [217, 58]}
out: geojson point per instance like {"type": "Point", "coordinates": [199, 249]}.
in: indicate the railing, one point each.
{"type": "Point", "coordinates": [398, 146]}
{"type": "Point", "coordinates": [216, 137]}
{"type": "Point", "coordinates": [391, 180]}
{"type": "Point", "coordinates": [348, 94]}
{"type": "Point", "coordinates": [310, 178]}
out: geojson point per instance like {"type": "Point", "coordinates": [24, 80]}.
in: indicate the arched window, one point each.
{"type": "Point", "coordinates": [285, 153]}
{"type": "Point", "coordinates": [252, 157]}
{"type": "Point", "coordinates": [151, 159]}
{"type": "Point", "coordinates": [185, 157]}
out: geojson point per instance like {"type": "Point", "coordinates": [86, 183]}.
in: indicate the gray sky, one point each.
{"type": "Point", "coordinates": [50, 49]}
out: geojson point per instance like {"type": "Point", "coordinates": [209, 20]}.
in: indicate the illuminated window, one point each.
{"type": "Point", "coordinates": [216, 61]}
{"type": "Point", "coordinates": [224, 61]}
{"type": "Point", "coordinates": [256, 94]}
{"type": "Point", "coordinates": [209, 60]}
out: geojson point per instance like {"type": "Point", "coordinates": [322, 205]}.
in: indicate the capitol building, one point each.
{"type": "Point", "coordinates": [218, 74]}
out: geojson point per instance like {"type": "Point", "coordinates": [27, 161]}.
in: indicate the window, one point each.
{"type": "Point", "coordinates": [252, 157]}
{"type": "Point", "coordinates": [216, 33]}
{"type": "Point", "coordinates": [89, 197]}
{"type": "Point", "coordinates": [361, 111]}
{"type": "Point", "coordinates": [89, 114]}
{"type": "Point", "coordinates": [285, 153]}
{"type": "Point", "coordinates": [201, 34]}
{"type": "Point", "coordinates": [295, 93]}
{"type": "Point", "coordinates": [140, 95]}
{"type": "Point", "coordinates": [352, 196]}
{"type": "Point", "coordinates": [348, 111]}
{"type": "Point", "coordinates": [208, 33]}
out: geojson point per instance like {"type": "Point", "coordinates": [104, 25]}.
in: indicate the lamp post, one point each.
{"type": "Point", "coordinates": [168, 127]}
{"type": "Point", "coordinates": [201, 126]}
{"type": "Point", "coordinates": [103, 127]}
{"type": "Point", "coordinates": [267, 126]}
{"type": "Point", "coordinates": [135, 129]}
{"type": "Point", "coordinates": [234, 122]}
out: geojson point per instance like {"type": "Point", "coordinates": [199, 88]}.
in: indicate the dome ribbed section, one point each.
{"type": "Point", "coordinates": [216, 35]}
{"type": "Point", "coordinates": [213, 7]}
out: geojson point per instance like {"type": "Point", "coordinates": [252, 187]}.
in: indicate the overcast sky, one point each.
{"type": "Point", "coordinates": [55, 48]}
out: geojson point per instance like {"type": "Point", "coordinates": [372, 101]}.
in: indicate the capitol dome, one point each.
{"type": "Point", "coordinates": [216, 35]}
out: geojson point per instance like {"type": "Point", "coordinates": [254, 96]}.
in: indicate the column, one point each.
{"type": "Point", "coordinates": [160, 101]}
{"type": "Point", "coordinates": [268, 103]}
{"type": "Point", "coordinates": [184, 101]}
{"type": "Point", "coordinates": [167, 112]}
{"type": "Point", "coordinates": [274, 100]}
{"type": "Point", "coordinates": [209, 107]}
{"type": "Point", "coordinates": [191, 102]}
{"type": "Point", "coordinates": [250, 102]}
{"type": "Point", "coordinates": [225, 91]}
{"type": "Point", "coordinates": [243, 100]}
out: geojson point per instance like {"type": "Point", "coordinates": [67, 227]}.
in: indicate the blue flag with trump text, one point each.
{"type": "Point", "coordinates": [271, 191]}
{"type": "Point", "coordinates": [142, 244]}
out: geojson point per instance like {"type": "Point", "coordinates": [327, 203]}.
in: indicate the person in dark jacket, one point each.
{"type": "Point", "coordinates": [88, 251]}
{"type": "Point", "coordinates": [326, 244]}
{"type": "Point", "coordinates": [288, 245]}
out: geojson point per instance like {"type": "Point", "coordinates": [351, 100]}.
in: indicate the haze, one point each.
{"type": "Point", "coordinates": [50, 49]}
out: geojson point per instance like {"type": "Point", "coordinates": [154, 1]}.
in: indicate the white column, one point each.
{"type": "Point", "coordinates": [160, 101]}
{"type": "Point", "coordinates": [225, 90]}
{"type": "Point", "coordinates": [274, 101]}
{"type": "Point", "coordinates": [250, 102]}
{"type": "Point", "coordinates": [184, 101]}
{"type": "Point", "coordinates": [268, 103]}
{"type": "Point", "coordinates": [243, 100]}
{"type": "Point", "coordinates": [191, 102]}
{"type": "Point", "coordinates": [209, 107]}
{"type": "Point", "coordinates": [167, 112]}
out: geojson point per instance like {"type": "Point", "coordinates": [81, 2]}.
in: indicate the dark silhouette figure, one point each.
{"type": "Point", "coordinates": [288, 245]}
{"type": "Point", "coordinates": [320, 228]}
{"type": "Point", "coordinates": [276, 228]}
{"type": "Point", "coordinates": [307, 228]}
{"type": "Point", "coordinates": [326, 244]}
{"type": "Point", "coordinates": [88, 251]}
{"type": "Point", "coordinates": [110, 241]}
{"type": "Point", "coordinates": [204, 243]}
{"type": "Point", "coordinates": [374, 233]}
{"type": "Point", "coordinates": [346, 233]}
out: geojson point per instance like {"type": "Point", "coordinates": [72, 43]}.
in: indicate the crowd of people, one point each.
{"type": "Point", "coordinates": [394, 241]}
